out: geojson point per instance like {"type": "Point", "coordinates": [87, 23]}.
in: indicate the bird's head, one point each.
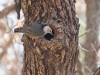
{"type": "Point", "coordinates": [49, 33]}
{"type": "Point", "coordinates": [47, 30]}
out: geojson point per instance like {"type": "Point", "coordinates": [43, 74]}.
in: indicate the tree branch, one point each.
{"type": "Point", "coordinates": [6, 10]}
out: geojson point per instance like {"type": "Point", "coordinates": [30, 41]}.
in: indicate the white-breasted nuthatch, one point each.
{"type": "Point", "coordinates": [37, 30]}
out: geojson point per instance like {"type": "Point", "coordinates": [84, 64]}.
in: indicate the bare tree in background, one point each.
{"type": "Point", "coordinates": [92, 13]}
{"type": "Point", "coordinates": [58, 56]}
{"type": "Point", "coordinates": [12, 58]}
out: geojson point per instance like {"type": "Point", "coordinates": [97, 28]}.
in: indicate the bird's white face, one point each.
{"type": "Point", "coordinates": [47, 29]}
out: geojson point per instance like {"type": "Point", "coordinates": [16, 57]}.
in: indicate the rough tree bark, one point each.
{"type": "Point", "coordinates": [97, 72]}
{"type": "Point", "coordinates": [58, 56]}
{"type": "Point", "coordinates": [79, 68]}
{"type": "Point", "coordinates": [92, 38]}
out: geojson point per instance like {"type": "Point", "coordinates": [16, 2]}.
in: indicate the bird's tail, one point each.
{"type": "Point", "coordinates": [19, 30]}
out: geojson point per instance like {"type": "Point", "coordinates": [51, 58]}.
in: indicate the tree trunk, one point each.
{"type": "Point", "coordinates": [58, 56]}
{"type": "Point", "coordinates": [97, 72]}
{"type": "Point", "coordinates": [79, 68]}
{"type": "Point", "coordinates": [92, 38]}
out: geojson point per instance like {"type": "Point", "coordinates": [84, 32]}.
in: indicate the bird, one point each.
{"type": "Point", "coordinates": [37, 30]}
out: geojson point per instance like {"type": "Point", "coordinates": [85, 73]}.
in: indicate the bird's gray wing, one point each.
{"type": "Point", "coordinates": [35, 30]}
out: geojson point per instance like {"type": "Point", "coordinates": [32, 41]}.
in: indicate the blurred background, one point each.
{"type": "Point", "coordinates": [11, 47]}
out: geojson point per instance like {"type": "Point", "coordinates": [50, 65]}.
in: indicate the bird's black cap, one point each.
{"type": "Point", "coordinates": [48, 36]}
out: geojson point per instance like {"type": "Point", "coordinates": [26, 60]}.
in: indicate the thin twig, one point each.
{"type": "Point", "coordinates": [92, 26]}
{"type": "Point", "coordinates": [86, 67]}
{"type": "Point", "coordinates": [95, 50]}
{"type": "Point", "coordinates": [8, 31]}
{"type": "Point", "coordinates": [12, 31]}
{"type": "Point", "coordinates": [82, 48]}
{"type": "Point", "coordinates": [85, 32]}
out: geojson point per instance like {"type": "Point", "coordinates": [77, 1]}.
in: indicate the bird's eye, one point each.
{"type": "Point", "coordinates": [50, 30]}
